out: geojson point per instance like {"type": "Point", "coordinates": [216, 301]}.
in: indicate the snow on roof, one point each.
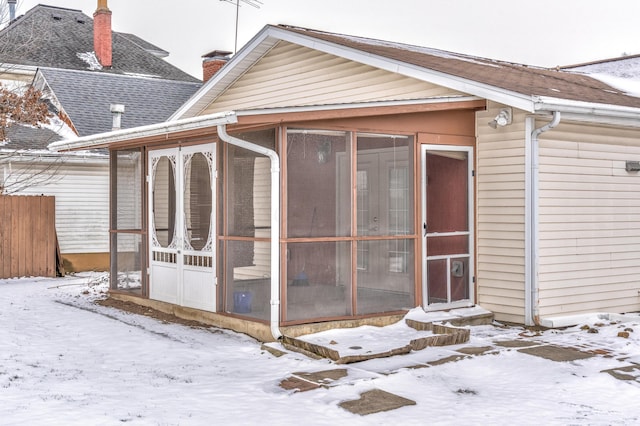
{"type": "Point", "coordinates": [620, 73]}
{"type": "Point", "coordinates": [630, 86]}
{"type": "Point", "coordinates": [624, 67]}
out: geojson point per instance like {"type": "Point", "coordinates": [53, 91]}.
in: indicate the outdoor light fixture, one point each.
{"type": "Point", "coordinates": [502, 119]}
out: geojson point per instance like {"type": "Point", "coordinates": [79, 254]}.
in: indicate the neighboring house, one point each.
{"type": "Point", "coordinates": [320, 177]}
{"type": "Point", "coordinates": [83, 68]}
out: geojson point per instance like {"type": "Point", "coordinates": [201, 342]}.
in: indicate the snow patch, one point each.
{"type": "Point", "coordinates": [59, 127]}
{"type": "Point", "coordinates": [65, 360]}
{"type": "Point", "coordinates": [629, 86]}
{"type": "Point", "coordinates": [91, 59]}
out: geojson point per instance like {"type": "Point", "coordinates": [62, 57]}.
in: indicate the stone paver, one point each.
{"type": "Point", "coordinates": [556, 353]}
{"type": "Point", "coordinates": [375, 401]}
{"type": "Point", "coordinates": [475, 350]}
{"type": "Point", "coordinates": [304, 381]}
{"type": "Point", "coordinates": [515, 343]}
{"type": "Point", "coordinates": [628, 373]}
{"type": "Point", "coordinates": [297, 384]}
{"type": "Point", "coordinates": [324, 377]}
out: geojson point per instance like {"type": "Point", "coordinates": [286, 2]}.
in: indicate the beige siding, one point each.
{"type": "Point", "coordinates": [500, 186]}
{"type": "Point", "coordinates": [261, 267]}
{"type": "Point", "coordinates": [589, 221]}
{"type": "Point", "coordinates": [82, 205]}
{"type": "Point", "coordinates": [292, 75]}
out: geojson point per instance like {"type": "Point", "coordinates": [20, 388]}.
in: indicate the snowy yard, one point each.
{"type": "Point", "coordinates": [67, 361]}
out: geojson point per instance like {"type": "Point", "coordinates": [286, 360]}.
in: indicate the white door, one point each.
{"type": "Point", "coordinates": [447, 215]}
{"type": "Point", "coordinates": [181, 226]}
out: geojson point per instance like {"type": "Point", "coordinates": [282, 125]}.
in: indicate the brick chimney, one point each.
{"type": "Point", "coordinates": [212, 62]}
{"type": "Point", "coordinates": [102, 33]}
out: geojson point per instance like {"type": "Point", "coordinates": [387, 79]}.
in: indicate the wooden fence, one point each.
{"type": "Point", "coordinates": [27, 236]}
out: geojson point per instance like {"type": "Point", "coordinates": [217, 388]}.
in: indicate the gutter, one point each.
{"type": "Point", "coordinates": [166, 127]}
{"type": "Point", "coordinates": [532, 315]}
{"type": "Point", "coordinates": [275, 222]}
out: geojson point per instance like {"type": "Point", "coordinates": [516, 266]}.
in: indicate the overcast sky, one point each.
{"type": "Point", "coordinates": [540, 32]}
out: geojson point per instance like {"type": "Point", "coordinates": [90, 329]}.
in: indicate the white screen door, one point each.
{"type": "Point", "coordinates": [181, 226]}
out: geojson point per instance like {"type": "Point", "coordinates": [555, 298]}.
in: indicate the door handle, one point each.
{"type": "Point", "coordinates": [424, 226]}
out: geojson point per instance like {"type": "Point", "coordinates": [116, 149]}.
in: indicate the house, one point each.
{"type": "Point", "coordinates": [81, 78]}
{"type": "Point", "coordinates": [321, 179]}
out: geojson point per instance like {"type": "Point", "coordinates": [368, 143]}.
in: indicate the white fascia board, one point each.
{"type": "Point", "coordinates": [546, 103]}
{"type": "Point", "coordinates": [194, 123]}
{"type": "Point", "coordinates": [79, 157]}
{"type": "Point", "coordinates": [485, 91]}
{"type": "Point", "coordinates": [26, 70]}
{"type": "Point", "coordinates": [588, 111]}
{"type": "Point", "coordinates": [333, 107]}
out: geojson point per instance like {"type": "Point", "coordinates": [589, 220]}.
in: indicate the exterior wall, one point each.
{"type": "Point", "coordinates": [500, 186]}
{"type": "Point", "coordinates": [589, 221]}
{"type": "Point", "coordinates": [82, 210]}
{"type": "Point", "coordinates": [293, 75]}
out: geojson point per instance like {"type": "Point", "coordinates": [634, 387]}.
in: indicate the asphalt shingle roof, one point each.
{"type": "Point", "coordinates": [86, 98]}
{"type": "Point", "coordinates": [518, 78]}
{"type": "Point", "coordinates": [48, 36]}
{"type": "Point", "coordinates": [21, 137]}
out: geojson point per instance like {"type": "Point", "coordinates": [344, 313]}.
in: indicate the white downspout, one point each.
{"type": "Point", "coordinates": [275, 221]}
{"type": "Point", "coordinates": [532, 308]}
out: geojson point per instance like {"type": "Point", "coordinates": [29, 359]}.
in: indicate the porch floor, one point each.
{"type": "Point", "coordinates": [418, 330]}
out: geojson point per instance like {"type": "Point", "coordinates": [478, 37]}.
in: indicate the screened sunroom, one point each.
{"type": "Point", "coordinates": [348, 238]}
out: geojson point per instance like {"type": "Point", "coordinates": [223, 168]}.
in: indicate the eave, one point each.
{"type": "Point", "coordinates": [204, 126]}
{"type": "Point", "coordinates": [187, 128]}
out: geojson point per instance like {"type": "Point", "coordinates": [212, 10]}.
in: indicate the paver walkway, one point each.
{"type": "Point", "coordinates": [377, 400]}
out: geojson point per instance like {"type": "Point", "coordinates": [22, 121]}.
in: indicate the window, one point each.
{"type": "Point", "coordinates": [127, 260]}
{"type": "Point", "coordinates": [327, 218]}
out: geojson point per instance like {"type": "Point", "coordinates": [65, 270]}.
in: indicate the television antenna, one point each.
{"type": "Point", "coordinates": [253, 3]}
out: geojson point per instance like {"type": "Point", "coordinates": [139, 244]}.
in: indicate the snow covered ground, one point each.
{"type": "Point", "coordinates": [66, 361]}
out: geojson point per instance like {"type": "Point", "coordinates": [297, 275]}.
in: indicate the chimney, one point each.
{"type": "Point", "coordinates": [12, 9]}
{"type": "Point", "coordinates": [116, 111]}
{"type": "Point", "coordinates": [102, 33]}
{"type": "Point", "coordinates": [212, 63]}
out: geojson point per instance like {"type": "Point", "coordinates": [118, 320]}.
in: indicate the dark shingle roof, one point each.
{"type": "Point", "coordinates": [86, 98]}
{"type": "Point", "coordinates": [518, 78]}
{"type": "Point", "coordinates": [21, 137]}
{"type": "Point", "coordinates": [53, 37]}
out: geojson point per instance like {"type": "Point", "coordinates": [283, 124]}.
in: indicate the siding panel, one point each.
{"type": "Point", "coordinates": [81, 202]}
{"type": "Point", "coordinates": [500, 216]}
{"type": "Point", "coordinates": [291, 75]}
{"type": "Point", "coordinates": [589, 224]}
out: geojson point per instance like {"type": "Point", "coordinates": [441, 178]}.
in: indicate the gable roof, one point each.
{"type": "Point", "coordinates": [57, 37]}
{"type": "Point", "coordinates": [521, 86]}
{"type": "Point", "coordinates": [86, 96]}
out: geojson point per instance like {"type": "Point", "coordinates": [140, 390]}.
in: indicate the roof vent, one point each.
{"type": "Point", "coordinates": [80, 20]}
{"type": "Point", "coordinates": [117, 110]}
{"type": "Point", "coordinates": [56, 17]}
{"type": "Point", "coordinates": [12, 9]}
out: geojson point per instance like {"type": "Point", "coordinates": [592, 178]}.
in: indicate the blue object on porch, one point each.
{"type": "Point", "coordinates": [242, 302]}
